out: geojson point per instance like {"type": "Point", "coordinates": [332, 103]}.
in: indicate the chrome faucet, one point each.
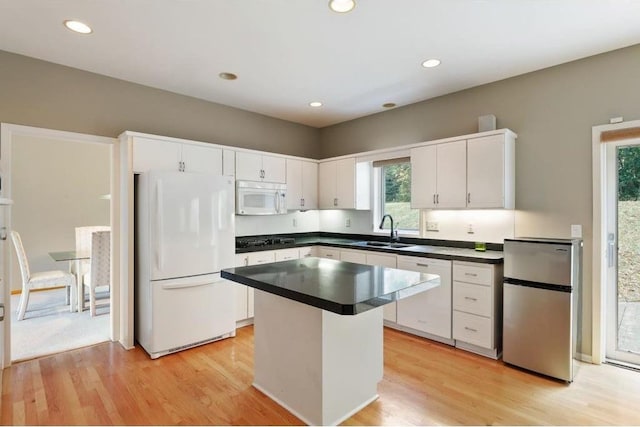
{"type": "Point", "coordinates": [393, 236]}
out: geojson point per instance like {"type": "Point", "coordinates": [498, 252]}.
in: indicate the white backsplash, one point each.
{"type": "Point", "coordinates": [251, 225]}
{"type": "Point", "coordinates": [489, 226]}
{"type": "Point", "coordinates": [335, 221]}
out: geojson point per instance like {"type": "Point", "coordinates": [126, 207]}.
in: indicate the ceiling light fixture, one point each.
{"type": "Point", "coordinates": [389, 105]}
{"type": "Point", "coordinates": [78, 27]}
{"type": "Point", "coordinates": [315, 104]}
{"type": "Point", "coordinates": [227, 76]}
{"type": "Point", "coordinates": [430, 63]}
{"type": "Point", "coordinates": [342, 6]}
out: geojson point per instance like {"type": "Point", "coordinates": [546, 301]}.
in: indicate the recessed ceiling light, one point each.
{"type": "Point", "coordinates": [315, 104]}
{"type": "Point", "coordinates": [227, 76]}
{"type": "Point", "coordinates": [389, 105]}
{"type": "Point", "coordinates": [342, 6]}
{"type": "Point", "coordinates": [78, 27]}
{"type": "Point", "coordinates": [430, 63]}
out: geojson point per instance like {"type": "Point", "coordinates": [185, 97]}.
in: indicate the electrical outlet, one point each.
{"type": "Point", "coordinates": [347, 222]}
{"type": "Point", "coordinates": [295, 222]}
{"type": "Point", "coordinates": [576, 230]}
{"type": "Point", "coordinates": [432, 226]}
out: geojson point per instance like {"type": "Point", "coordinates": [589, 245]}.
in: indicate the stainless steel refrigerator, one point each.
{"type": "Point", "coordinates": [541, 297]}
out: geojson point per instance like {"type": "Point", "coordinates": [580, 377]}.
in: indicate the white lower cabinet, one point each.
{"type": "Point", "coordinates": [244, 294]}
{"type": "Point", "coordinates": [358, 257]}
{"type": "Point", "coordinates": [477, 307]}
{"type": "Point", "coordinates": [427, 313]}
{"type": "Point", "coordinates": [331, 253]}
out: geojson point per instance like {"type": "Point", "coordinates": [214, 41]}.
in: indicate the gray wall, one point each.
{"type": "Point", "coordinates": [42, 94]}
{"type": "Point", "coordinates": [551, 110]}
{"type": "Point", "coordinates": [56, 186]}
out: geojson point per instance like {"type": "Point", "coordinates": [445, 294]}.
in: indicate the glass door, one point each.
{"type": "Point", "coordinates": [623, 252]}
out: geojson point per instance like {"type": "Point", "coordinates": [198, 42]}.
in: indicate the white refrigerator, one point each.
{"type": "Point", "coordinates": [185, 235]}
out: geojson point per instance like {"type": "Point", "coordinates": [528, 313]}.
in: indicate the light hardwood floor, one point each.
{"type": "Point", "coordinates": [424, 383]}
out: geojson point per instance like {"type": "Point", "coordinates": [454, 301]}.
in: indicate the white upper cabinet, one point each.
{"type": "Point", "coordinates": [438, 176]}
{"type": "Point", "coordinates": [302, 184]}
{"type": "Point", "coordinates": [472, 173]}
{"type": "Point", "coordinates": [157, 154]}
{"type": "Point", "coordinates": [344, 184]}
{"type": "Point", "coordinates": [490, 172]}
{"type": "Point", "coordinates": [258, 167]}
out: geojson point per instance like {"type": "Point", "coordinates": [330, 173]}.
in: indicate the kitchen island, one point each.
{"type": "Point", "coordinates": [318, 332]}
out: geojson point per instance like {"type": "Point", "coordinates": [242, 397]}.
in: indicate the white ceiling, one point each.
{"type": "Point", "coordinates": [287, 53]}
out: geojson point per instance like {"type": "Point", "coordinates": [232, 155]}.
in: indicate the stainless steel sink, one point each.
{"type": "Point", "coordinates": [385, 245]}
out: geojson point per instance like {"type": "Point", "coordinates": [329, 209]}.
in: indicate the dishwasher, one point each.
{"type": "Point", "coordinates": [541, 303]}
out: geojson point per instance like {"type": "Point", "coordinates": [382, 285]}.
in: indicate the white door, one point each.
{"type": "Point", "coordinates": [423, 177]}
{"type": "Point", "coordinates": [452, 175]}
{"type": "Point", "coordinates": [274, 169]}
{"type": "Point", "coordinates": [294, 184]}
{"type": "Point", "coordinates": [485, 172]}
{"type": "Point", "coordinates": [623, 273]}
{"type": "Point", "coordinates": [198, 158]}
{"type": "Point", "coordinates": [428, 311]}
{"type": "Point", "coordinates": [192, 224]}
{"type": "Point", "coordinates": [248, 166]}
{"type": "Point", "coordinates": [346, 183]}
{"type": "Point", "coordinates": [154, 154]}
{"type": "Point", "coordinates": [190, 310]}
{"type": "Point", "coordinates": [327, 185]}
{"type": "Point", "coordinates": [309, 185]}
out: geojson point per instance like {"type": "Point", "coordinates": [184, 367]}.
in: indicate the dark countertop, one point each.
{"type": "Point", "coordinates": [337, 286]}
{"type": "Point", "coordinates": [448, 250]}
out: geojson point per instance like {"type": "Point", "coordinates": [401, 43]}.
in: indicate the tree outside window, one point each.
{"type": "Point", "coordinates": [396, 196]}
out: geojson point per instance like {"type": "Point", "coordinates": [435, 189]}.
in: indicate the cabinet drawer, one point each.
{"type": "Point", "coordinates": [307, 252]}
{"type": "Point", "coordinates": [261, 257]}
{"type": "Point", "coordinates": [329, 253]}
{"type": "Point", "coordinates": [479, 274]}
{"type": "Point", "coordinates": [472, 329]}
{"type": "Point", "coordinates": [286, 254]}
{"type": "Point", "coordinates": [475, 299]}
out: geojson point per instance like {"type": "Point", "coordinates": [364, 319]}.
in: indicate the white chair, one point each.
{"type": "Point", "coordinates": [99, 274]}
{"type": "Point", "coordinates": [44, 279]}
{"type": "Point", "coordinates": [83, 244]}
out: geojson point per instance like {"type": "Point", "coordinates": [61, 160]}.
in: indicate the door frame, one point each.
{"type": "Point", "coordinates": [599, 254]}
{"type": "Point", "coordinates": [7, 132]}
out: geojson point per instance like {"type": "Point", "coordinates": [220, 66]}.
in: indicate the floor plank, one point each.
{"type": "Point", "coordinates": [424, 383]}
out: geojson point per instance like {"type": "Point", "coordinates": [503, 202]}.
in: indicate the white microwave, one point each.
{"type": "Point", "coordinates": [260, 198]}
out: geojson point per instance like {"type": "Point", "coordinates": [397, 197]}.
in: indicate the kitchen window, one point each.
{"type": "Point", "coordinates": [392, 196]}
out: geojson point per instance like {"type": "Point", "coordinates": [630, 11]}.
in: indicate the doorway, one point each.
{"type": "Point", "coordinates": [51, 230]}
{"type": "Point", "coordinates": [622, 189]}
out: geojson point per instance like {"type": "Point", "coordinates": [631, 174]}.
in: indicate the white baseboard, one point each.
{"type": "Point", "coordinates": [584, 357]}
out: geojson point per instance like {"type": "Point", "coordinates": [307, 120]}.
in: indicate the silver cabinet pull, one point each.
{"type": "Point", "coordinates": [434, 199]}
{"type": "Point", "coordinates": [438, 199]}
{"type": "Point", "coordinates": [470, 329]}
{"type": "Point", "coordinates": [335, 202]}
{"type": "Point", "coordinates": [468, 197]}
{"type": "Point", "coordinates": [471, 298]}
{"type": "Point", "coordinates": [471, 274]}
{"type": "Point", "coordinates": [422, 265]}
{"type": "Point", "coordinates": [3, 233]}
{"type": "Point", "coordinates": [301, 202]}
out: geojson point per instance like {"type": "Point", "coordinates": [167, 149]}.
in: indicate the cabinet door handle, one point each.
{"type": "Point", "coordinates": [422, 265]}
{"type": "Point", "coordinates": [471, 274]}
{"type": "Point", "coordinates": [434, 199]}
{"type": "Point", "coordinates": [470, 329]}
{"type": "Point", "coordinates": [335, 202]}
{"type": "Point", "coordinates": [329, 255]}
{"type": "Point", "coordinates": [437, 199]}
{"type": "Point", "coordinates": [301, 202]}
{"type": "Point", "coordinates": [468, 197]}
{"type": "Point", "coordinates": [471, 298]}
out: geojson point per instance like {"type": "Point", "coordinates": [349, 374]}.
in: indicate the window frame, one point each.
{"type": "Point", "coordinates": [378, 198]}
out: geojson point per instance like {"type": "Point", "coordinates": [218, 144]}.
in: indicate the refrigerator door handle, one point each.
{"type": "Point", "coordinates": [159, 226]}
{"type": "Point", "coordinates": [188, 285]}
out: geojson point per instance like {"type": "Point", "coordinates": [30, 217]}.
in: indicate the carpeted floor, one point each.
{"type": "Point", "coordinates": [49, 327]}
